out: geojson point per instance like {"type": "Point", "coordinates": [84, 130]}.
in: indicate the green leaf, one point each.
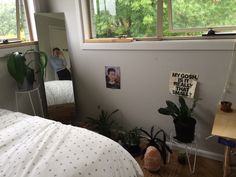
{"type": "Point", "coordinates": [184, 110]}
{"type": "Point", "coordinates": [43, 59]}
{"type": "Point", "coordinates": [194, 104]}
{"type": "Point", "coordinates": [113, 112]}
{"type": "Point", "coordinates": [17, 67]}
{"type": "Point", "coordinates": [30, 75]}
{"type": "Point", "coordinates": [43, 62]}
{"type": "Point", "coordinates": [172, 106]}
{"type": "Point", "coordinates": [145, 132]}
{"type": "Point", "coordinates": [166, 111]}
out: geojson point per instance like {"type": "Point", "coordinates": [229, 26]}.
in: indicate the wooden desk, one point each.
{"type": "Point", "coordinates": [225, 126]}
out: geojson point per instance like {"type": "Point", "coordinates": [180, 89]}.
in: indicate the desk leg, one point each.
{"type": "Point", "coordinates": [226, 162]}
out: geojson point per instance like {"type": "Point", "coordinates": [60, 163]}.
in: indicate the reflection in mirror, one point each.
{"type": "Point", "coordinates": [58, 83]}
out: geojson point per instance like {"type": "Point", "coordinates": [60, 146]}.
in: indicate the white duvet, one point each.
{"type": "Point", "coordinates": [36, 147]}
{"type": "Point", "coordinates": [59, 92]}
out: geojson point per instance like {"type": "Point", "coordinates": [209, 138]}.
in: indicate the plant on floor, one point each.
{"type": "Point", "coordinates": [131, 141]}
{"type": "Point", "coordinates": [182, 158]}
{"type": "Point", "coordinates": [155, 139]}
{"type": "Point", "coordinates": [104, 124]}
{"type": "Point", "coordinates": [22, 71]}
{"type": "Point", "coordinates": [182, 117]}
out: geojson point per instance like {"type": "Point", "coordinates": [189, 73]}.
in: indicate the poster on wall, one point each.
{"type": "Point", "coordinates": [112, 77]}
{"type": "Point", "coordinates": [183, 84]}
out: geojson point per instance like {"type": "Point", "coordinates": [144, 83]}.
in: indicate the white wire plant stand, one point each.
{"type": "Point", "coordinates": [191, 149]}
{"type": "Point", "coordinates": [29, 94]}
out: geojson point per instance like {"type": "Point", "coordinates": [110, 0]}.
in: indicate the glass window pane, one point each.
{"type": "Point", "coordinates": [188, 14]}
{"type": "Point", "coordinates": [132, 18]}
{"type": "Point", "coordinates": [166, 30]}
{"type": "Point", "coordinates": [8, 27]}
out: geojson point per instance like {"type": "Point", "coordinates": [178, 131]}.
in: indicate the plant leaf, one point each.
{"type": "Point", "coordinates": [151, 132]}
{"type": "Point", "coordinates": [184, 110]}
{"type": "Point", "coordinates": [172, 106]}
{"type": "Point", "coordinates": [194, 104]}
{"type": "Point", "coordinates": [113, 112]}
{"type": "Point", "coordinates": [30, 75]}
{"type": "Point", "coordinates": [145, 132]}
{"type": "Point", "coordinates": [17, 67]}
{"type": "Point", "coordinates": [166, 111]}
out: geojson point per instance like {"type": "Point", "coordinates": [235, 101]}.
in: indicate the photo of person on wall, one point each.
{"type": "Point", "coordinates": [112, 77]}
{"type": "Point", "coordinates": [59, 64]}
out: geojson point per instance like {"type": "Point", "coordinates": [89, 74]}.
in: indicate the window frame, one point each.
{"type": "Point", "coordinates": [85, 12]}
{"type": "Point", "coordinates": [27, 14]}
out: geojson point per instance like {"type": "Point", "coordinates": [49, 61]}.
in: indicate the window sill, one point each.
{"type": "Point", "coordinates": [20, 44]}
{"type": "Point", "coordinates": [109, 40]}
{"type": "Point", "coordinates": [166, 45]}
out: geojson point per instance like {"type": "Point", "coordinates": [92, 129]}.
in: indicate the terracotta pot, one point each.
{"type": "Point", "coordinates": [226, 106]}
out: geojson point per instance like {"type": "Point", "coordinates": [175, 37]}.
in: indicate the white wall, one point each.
{"type": "Point", "coordinates": [144, 76]}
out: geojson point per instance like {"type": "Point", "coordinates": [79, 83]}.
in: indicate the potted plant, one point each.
{"type": "Point", "coordinates": [104, 124]}
{"type": "Point", "coordinates": [182, 117]}
{"type": "Point", "coordinates": [22, 71]}
{"type": "Point", "coordinates": [158, 140]}
{"type": "Point", "coordinates": [131, 141]}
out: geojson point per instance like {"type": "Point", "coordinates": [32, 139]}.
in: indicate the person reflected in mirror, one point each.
{"type": "Point", "coordinates": [58, 63]}
{"type": "Point", "coordinates": [112, 79]}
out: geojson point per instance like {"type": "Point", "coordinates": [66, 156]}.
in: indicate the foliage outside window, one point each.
{"type": "Point", "coordinates": [139, 18]}
{"type": "Point", "coordinates": [200, 14]}
{"type": "Point", "coordinates": [13, 20]}
{"type": "Point", "coordinates": [113, 18]}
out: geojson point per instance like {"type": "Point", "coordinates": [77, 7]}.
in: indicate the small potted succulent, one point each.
{"type": "Point", "coordinates": [22, 71]}
{"type": "Point", "coordinates": [183, 119]}
{"type": "Point", "coordinates": [131, 141]}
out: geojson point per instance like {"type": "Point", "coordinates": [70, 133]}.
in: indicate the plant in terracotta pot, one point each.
{"type": "Point", "coordinates": [183, 119]}
{"type": "Point", "coordinates": [156, 148]}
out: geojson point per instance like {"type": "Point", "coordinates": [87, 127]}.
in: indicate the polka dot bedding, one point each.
{"type": "Point", "coordinates": [35, 147]}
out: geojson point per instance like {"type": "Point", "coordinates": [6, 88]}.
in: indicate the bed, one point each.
{"type": "Point", "coordinates": [60, 100]}
{"type": "Point", "coordinates": [31, 146]}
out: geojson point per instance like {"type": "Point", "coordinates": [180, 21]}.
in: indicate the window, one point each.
{"type": "Point", "coordinates": [196, 15]}
{"type": "Point", "coordinates": [14, 23]}
{"type": "Point", "coordinates": [159, 18]}
{"type": "Point", "coordinates": [114, 18]}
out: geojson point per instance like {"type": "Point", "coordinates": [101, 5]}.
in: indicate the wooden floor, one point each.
{"type": "Point", "coordinates": [204, 168]}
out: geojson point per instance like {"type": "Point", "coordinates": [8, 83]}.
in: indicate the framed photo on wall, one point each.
{"type": "Point", "coordinates": [112, 77]}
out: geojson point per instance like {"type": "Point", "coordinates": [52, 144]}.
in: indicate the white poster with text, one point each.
{"type": "Point", "coordinates": [183, 84]}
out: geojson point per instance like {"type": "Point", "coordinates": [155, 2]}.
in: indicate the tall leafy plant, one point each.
{"type": "Point", "coordinates": [183, 119]}
{"type": "Point", "coordinates": [183, 112]}
{"type": "Point", "coordinates": [21, 70]}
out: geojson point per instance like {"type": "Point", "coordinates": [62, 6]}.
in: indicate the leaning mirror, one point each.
{"type": "Point", "coordinates": [57, 82]}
